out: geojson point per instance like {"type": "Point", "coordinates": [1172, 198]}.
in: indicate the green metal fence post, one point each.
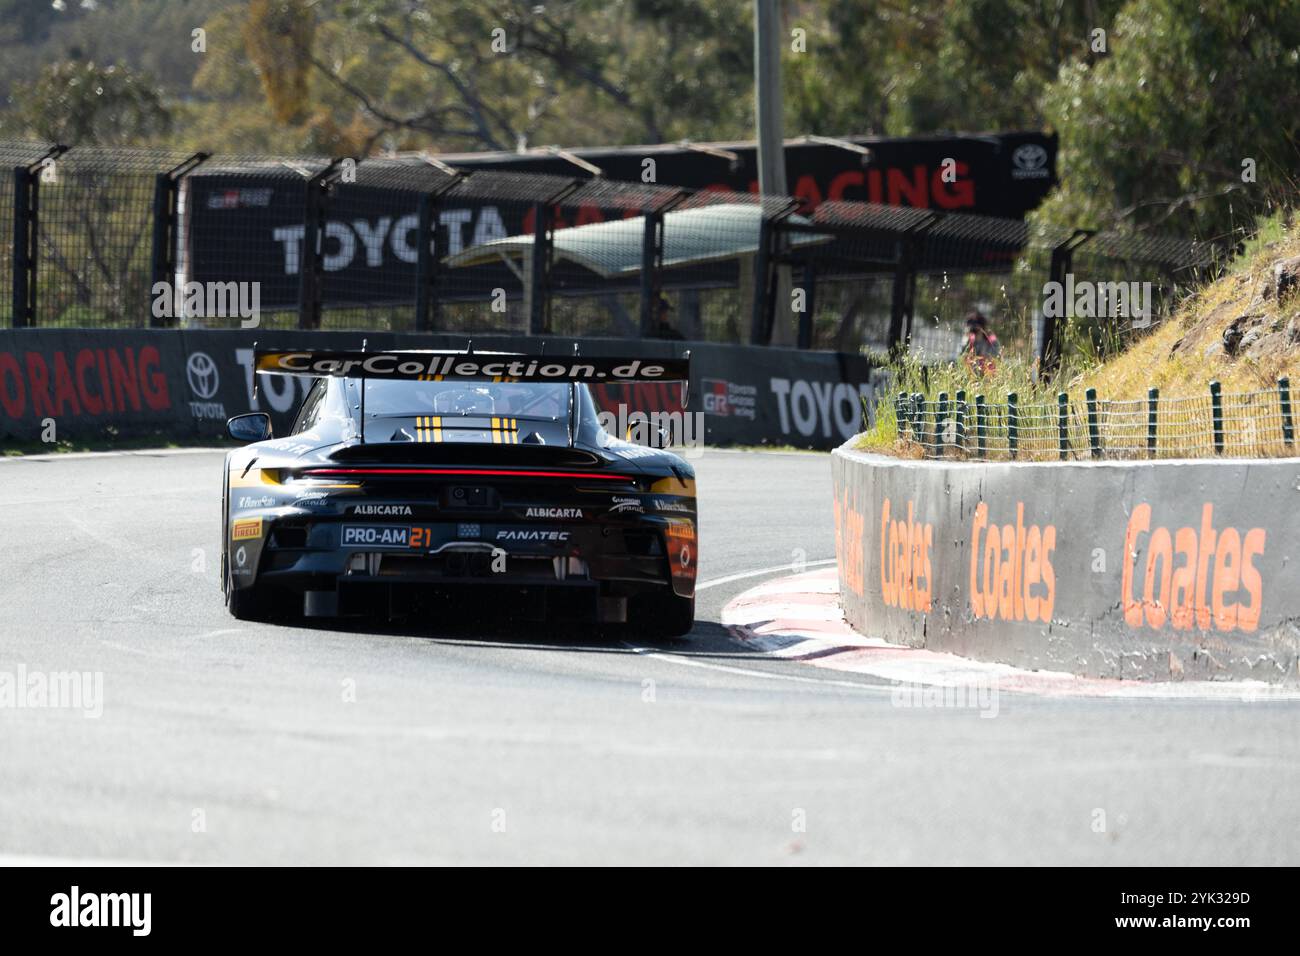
{"type": "Point", "coordinates": [1216, 415]}
{"type": "Point", "coordinates": [1153, 413]}
{"type": "Point", "coordinates": [1013, 425]}
{"type": "Point", "coordinates": [959, 418]}
{"type": "Point", "coordinates": [918, 418]}
{"type": "Point", "coordinates": [1288, 423]}
{"type": "Point", "coordinates": [981, 428]}
{"type": "Point", "coordinates": [1094, 431]}
{"type": "Point", "coordinates": [1063, 423]}
{"type": "Point", "coordinates": [940, 418]}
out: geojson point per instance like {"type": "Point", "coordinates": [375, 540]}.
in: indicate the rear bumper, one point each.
{"type": "Point", "coordinates": [517, 561]}
{"type": "Point", "coordinates": [451, 568]}
{"type": "Point", "coordinates": [573, 602]}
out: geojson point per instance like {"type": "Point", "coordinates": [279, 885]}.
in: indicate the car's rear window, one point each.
{"type": "Point", "coordinates": [514, 399]}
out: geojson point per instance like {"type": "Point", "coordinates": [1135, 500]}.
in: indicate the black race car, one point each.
{"type": "Point", "coordinates": [411, 480]}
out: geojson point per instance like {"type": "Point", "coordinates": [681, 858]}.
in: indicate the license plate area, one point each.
{"type": "Point", "coordinates": [519, 538]}
{"type": "Point", "coordinates": [470, 498]}
{"type": "Point", "coordinates": [376, 536]}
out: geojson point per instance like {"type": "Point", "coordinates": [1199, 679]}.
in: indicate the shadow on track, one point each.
{"type": "Point", "coordinates": [707, 639]}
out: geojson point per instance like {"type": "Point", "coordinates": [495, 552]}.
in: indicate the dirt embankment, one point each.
{"type": "Point", "coordinates": [1242, 329]}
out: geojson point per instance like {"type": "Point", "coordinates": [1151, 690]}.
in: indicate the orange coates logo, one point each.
{"type": "Point", "coordinates": [905, 577]}
{"type": "Point", "coordinates": [1192, 577]}
{"type": "Point", "coordinates": [848, 543]}
{"type": "Point", "coordinates": [1018, 581]}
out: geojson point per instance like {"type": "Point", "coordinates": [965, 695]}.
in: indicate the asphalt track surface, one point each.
{"type": "Point", "coordinates": [510, 746]}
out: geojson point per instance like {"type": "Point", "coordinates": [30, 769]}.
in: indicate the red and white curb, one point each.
{"type": "Point", "coordinates": [799, 618]}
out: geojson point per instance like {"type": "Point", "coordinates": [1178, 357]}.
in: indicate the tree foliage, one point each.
{"type": "Point", "coordinates": [87, 104]}
{"type": "Point", "coordinates": [1157, 134]}
{"type": "Point", "coordinates": [278, 37]}
{"type": "Point", "coordinates": [500, 74]}
{"type": "Point", "coordinates": [1156, 121]}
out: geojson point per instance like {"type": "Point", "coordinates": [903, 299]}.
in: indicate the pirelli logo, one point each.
{"type": "Point", "coordinates": [246, 528]}
{"type": "Point", "coordinates": [680, 528]}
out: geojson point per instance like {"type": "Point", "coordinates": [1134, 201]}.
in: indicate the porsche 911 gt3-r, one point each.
{"type": "Point", "coordinates": [413, 478]}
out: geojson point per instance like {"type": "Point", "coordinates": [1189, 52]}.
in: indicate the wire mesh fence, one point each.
{"type": "Point", "coordinates": [13, 157]}
{"type": "Point", "coordinates": [94, 241]}
{"type": "Point", "coordinates": [231, 201]}
{"type": "Point", "coordinates": [408, 243]}
{"type": "Point", "coordinates": [1256, 424]}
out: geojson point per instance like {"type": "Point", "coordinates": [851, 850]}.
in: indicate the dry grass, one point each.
{"type": "Point", "coordinates": [1234, 330]}
{"type": "Point", "coordinates": [1184, 354]}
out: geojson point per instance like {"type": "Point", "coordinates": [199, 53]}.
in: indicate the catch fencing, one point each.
{"type": "Point", "coordinates": [410, 244]}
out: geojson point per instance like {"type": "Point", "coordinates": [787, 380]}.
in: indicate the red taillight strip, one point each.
{"type": "Point", "coordinates": [481, 472]}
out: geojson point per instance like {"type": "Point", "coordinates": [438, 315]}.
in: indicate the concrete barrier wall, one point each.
{"type": "Point", "coordinates": [186, 383]}
{"type": "Point", "coordinates": [1163, 570]}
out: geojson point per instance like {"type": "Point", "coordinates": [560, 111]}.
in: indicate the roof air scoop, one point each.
{"type": "Point", "coordinates": [534, 438]}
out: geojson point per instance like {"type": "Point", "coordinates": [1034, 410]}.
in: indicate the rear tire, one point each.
{"type": "Point", "coordinates": [662, 615]}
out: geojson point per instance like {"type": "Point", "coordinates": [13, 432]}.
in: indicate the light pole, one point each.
{"type": "Point", "coordinates": [768, 113]}
{"type": "Point", "coordinates": [767, 98]}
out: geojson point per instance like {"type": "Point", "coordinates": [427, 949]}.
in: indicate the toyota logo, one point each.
{"type": "Point", "coordinates": [201, 372]}
{"type": "Point", "coordinates": [1029, 156]}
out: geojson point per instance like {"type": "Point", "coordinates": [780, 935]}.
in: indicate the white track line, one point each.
{"type": "Point", "coordinates": [744, 671]}
{"type": "Point", "coordinates": [753, 574]}
{"type": "Point", "coordinates": [119, 453]}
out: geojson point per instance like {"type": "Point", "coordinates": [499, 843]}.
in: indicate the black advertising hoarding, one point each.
{"type": "Point", "coordinates": [62, 384]}
{"type": "Point", "coordinates": [249, 227]}
{"type": "Point", "coordinates": [744, 395]}
{"type": "Point", "coordinates": [999, 174]}
{"type": "Point", "coordinates": [183, 384]}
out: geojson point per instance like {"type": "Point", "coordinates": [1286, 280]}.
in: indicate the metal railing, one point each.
{"type": "Point", "coordinates": [1256, 424]}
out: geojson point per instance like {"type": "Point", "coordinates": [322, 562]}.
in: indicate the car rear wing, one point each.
{"type": "Point", "coordinates": [441, 366]}
{"type": "Point", "coordinates": [433, 366]}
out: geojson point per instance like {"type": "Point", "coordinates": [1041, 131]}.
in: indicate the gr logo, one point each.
{"type": "Point", "coordinates": [202, 375]}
